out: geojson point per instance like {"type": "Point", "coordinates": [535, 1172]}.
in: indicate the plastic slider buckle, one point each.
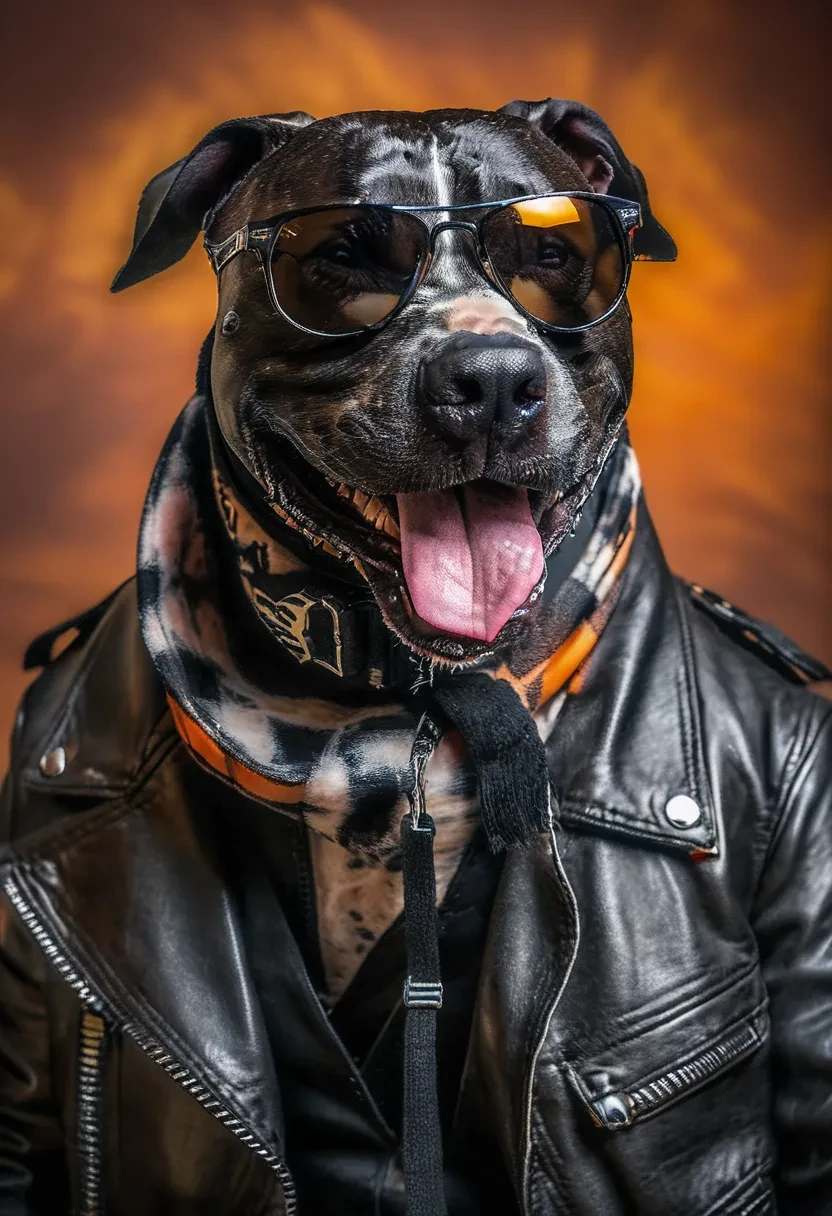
{"type": "Point", "coordinates": [422, 996]}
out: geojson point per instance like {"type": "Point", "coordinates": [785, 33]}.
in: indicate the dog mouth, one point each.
{"type": "Point", "coordinates": [471, 555]}
{"type": "Point", "coordinates": [451, 569]}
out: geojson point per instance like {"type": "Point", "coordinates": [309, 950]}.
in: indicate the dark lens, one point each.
{"type": "Point", "coordinates": [342, 270]}
{"type": "Point", "coordinates": [561, 258]}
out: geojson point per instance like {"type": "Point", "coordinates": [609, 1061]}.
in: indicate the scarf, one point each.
{"type": "Point", "coordinates": [283, 678]}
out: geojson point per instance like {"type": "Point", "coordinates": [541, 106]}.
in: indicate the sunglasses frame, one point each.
{"type": "Point", "coordinates": [260, 237]}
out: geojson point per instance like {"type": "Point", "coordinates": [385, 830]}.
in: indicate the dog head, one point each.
{"type": "Point", "coordinates": [450, 451]}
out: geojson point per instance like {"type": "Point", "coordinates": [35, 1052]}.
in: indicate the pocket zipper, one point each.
{"type": "Point", "coordinates": [621, 1109]}
{"type": "Point", "coordinates": [92, 1037]}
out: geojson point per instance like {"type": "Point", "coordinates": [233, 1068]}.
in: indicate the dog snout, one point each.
{"type": "Point", "coordinates": [478, 381]}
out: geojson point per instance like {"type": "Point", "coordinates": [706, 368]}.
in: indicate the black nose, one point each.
{"type": "Point", "coordinates": [482, 380]}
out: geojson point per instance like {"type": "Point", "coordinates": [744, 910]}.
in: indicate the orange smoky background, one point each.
{"type": "Point", "coordinates": [721, 104]}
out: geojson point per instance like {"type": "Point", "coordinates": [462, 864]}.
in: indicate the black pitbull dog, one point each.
{"type": "Point", "coordinates": [399, 599]}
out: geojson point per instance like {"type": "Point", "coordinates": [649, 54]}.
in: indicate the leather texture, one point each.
{"type": "Point", "coordinates": [653, 1028]}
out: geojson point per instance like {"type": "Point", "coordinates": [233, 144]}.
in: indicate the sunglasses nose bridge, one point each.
{"type": "Point", "coordinates": [450, 225]}
{"type": "Point", "coordinates": [471, 230]}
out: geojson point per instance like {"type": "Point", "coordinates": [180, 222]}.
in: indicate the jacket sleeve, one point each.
{"type": "Point", "coordinates": [793, 924]}
{"type": "Point", "coordinates": [33, 1175]}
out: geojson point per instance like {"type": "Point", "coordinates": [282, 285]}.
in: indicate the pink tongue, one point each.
{"type": "Point", "coordinates": [471, 556]}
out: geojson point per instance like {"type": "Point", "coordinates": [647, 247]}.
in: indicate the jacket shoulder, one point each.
{"type": "Point", "coordinates": [86, 724]}
{"type": "Point", "coordinates": [764, 641]}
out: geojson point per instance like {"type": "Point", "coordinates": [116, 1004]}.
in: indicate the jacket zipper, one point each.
{"type": "Point", "coordinates": [90, 1094]}
{"type": "Point", "coordinates": [621, 1109]}
{"type": "Point", "coordinates": [151, 1046]}
{"type": "Point", "coordinates": [526, 1156]}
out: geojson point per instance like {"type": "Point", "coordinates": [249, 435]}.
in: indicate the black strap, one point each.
{"type": "Point", "coordinates": [422, 1132]}
{"type": "Point", "coordinates": [515, 800]}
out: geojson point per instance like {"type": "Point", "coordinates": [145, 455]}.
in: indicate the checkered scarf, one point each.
{"type": "Point", "coordinates": [283, 678]}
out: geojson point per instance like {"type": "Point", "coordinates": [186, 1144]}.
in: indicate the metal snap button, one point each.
{"type": "Point", "coordinates": [53, 763]}
{"type": "Point", "coordinates": [682, 811]}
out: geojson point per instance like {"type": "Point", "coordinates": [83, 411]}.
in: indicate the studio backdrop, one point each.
{"type": "Point", "coordinates": [722, 106]}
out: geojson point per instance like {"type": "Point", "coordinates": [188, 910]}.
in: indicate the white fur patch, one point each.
{"type": "Point", "coordinates": [356, 905]}
{"type": "Point", "coordinates": [489, 314]}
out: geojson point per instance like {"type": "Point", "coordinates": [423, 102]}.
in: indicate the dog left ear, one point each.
{"type": "Point", "coordinates": [178, 203]}
{"type": "Point", "coordinates": [585, 136]}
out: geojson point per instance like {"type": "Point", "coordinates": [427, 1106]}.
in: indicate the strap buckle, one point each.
{"type": "Point", "coordinates": [421, 995]}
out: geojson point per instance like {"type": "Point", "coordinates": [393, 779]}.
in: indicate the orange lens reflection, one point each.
{"type": "Point", "coordinates": [561, 258]}
{"type": "Point", "coordinates": [544, 212]}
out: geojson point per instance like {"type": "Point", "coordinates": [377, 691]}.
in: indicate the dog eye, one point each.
{"type": "Point", "coordinates": [553, 255]}
{"type": "Point", "coordinates": [342, 253]}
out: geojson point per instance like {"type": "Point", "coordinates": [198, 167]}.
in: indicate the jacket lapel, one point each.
{"type": "Point", "coordinates": [131, 900]}
{"type": "Point", "coordinates": [629, 741]}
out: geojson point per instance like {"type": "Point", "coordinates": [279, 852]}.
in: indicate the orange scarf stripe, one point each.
{"type": "Point", "coordinates": [208, 751]}
{"type": "Point", "coordinates": [566, 660]}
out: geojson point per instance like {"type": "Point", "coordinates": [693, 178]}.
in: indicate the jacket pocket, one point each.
{"type": "Point", "coordinates": [681, 1102]}
{"type": "Point", "coordinates": [647, 1095]}
{"type": "Point", "coordinates": [672, 1056]}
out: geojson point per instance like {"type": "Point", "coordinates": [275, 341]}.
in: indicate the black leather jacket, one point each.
{"type": "Point", "coordinates": [653, 1030]}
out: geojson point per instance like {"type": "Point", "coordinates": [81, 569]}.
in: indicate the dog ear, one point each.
{"type": "Point", "coordinates": [178, 203]}
{"type": "Point", "coordinates": [585, 136]}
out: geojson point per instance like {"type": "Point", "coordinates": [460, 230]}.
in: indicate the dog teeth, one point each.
{"type": "Point", "coordinates": [391, 527]}
{"type": "Point", "coordinates": [372, 509]}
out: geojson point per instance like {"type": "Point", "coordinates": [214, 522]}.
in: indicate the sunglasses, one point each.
{"type": "Point", "coordinates": [337, 271]}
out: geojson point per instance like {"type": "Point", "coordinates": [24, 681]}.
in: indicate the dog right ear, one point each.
{"type": "Point", "coordinates": [585, 136]}
{"type": "Point", "coordinates": [176, 204]}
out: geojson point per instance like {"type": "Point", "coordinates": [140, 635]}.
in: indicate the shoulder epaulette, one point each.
{"type": "Point", "coordinates": [41, 650]}
{"type": "Point", "coordinates": [762, 639]}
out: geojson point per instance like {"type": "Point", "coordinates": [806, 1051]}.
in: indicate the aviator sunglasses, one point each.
{"type": "Point", "coordinates": [341, 270]}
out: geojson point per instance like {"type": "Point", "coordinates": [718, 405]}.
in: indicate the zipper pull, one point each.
{"type": "Point", "coordinates": [614, 1111]}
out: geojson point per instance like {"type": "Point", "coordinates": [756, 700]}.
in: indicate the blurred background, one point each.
{"type": "Point", "coordinates": [723, 105]}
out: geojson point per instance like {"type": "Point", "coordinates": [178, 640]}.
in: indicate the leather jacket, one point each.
{"type": "Point", "coordinates": [653, 1026]}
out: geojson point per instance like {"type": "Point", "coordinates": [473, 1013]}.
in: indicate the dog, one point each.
{"type": "Point", "coordinates": [460, 394]}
